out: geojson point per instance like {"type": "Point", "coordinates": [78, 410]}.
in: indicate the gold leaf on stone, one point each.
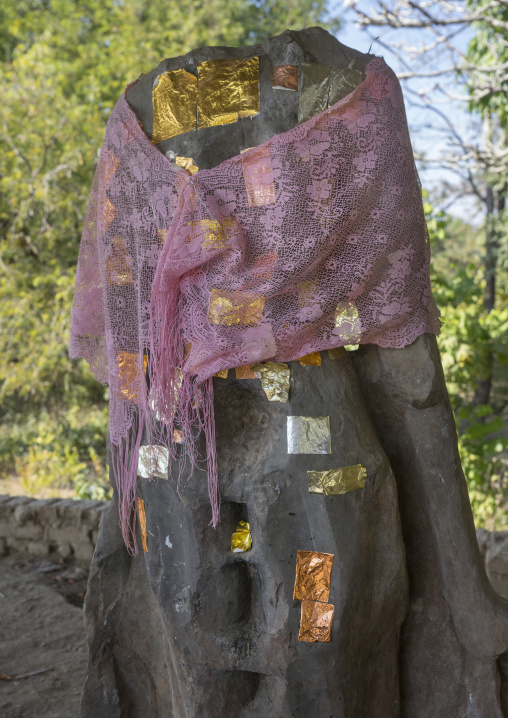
{"type": "Point", "coordinates": [112, 162]}
{"type": "Point", "coordinates": [163, 234]}
{"type": "Point", "coordinates": [347, 325]}
{"type": "Point", "coordinates": [258, 177]}
{"type": "Point", "coordinates": [188, 164]}
{"type": "Point", "coordinates": [241, 540]}
{"type": "Point", "coordinates": [166, 411]}
{"type": "Point", "coordinates": [174, 100]}
{"type": "Point", "coordinates": [142, 522]}
{"type": "Point", "coordinates": [118, 264]}
{"type": "Point", "coordinates": [285, 77]}
{"type": "Point", "coordinates": [323, 86]}
{"type": "Point", "coordinates": [108, 212]}
{"type": "Point", "coordinates": [336, 353]}
{"type": "Point", "coordinates": [313, 359]}
{"type": "Point", "coordinates": [337, 481]}
{"type": "Point", "coordinates": [306, 293]}
{"type": "Point", "coordinates": [274, 380]}
{"type": "Point", "coordinates": [222, 374]}
{"type": "Point", "coordinates": [263, 266]}
{"type": "Point", "coordinates": [245, 372]}
{"type": "Point", "coordinates": [213, 234]}
{"type": "Point", "coordinates": [315, 485]}
{"type": "Point", "coordinates": [313, 575]}
{"type": "Point", "coordinates": [343, 80]}
{"type": "Point", "coordinates": [316, 622]}
{"type": "Point", "coordinates": [227, 89]}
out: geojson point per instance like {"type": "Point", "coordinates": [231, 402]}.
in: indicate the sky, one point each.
{"type": "Point", "coordinates": [424, 140]}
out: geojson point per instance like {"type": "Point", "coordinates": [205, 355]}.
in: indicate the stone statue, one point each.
{"type": "Point", "coordinates": [191, 629]}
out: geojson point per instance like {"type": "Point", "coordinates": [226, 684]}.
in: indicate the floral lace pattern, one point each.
{"type": "Point", "coordinates": [314, 237]}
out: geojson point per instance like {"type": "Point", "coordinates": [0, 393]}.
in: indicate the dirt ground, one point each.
{"type": "Point", "coordinates": [41, 629]}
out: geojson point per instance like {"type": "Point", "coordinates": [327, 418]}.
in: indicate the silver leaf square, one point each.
{"type": "Point", "coordinates": [153, 462]}
{"type": "Point", "coordinates": [309, 435]}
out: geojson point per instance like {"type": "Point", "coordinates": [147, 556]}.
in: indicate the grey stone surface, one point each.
{"type": "Point", "coordinates": [190, 629]}
{"type": "Point", "coordinates": [227, 623]}
{"type": "Point", "coordinates": [456, 627]}
{"type": "Point", "coordinates": [279, 108]}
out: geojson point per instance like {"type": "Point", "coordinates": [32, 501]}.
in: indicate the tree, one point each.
{"type": "Point", "coordinates": [63, 64]}
{"type": "Point", "coordinates": [472, 73]}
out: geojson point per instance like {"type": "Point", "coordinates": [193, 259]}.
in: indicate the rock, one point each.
{"type": "Point", "coordinates": [191, 629]}
{"type": "Point", "coordinates": [190, 613]}
{"type": "Point", "coordinates": [462, 627]}
{"type": "Point", "coordinates": [37, 548]}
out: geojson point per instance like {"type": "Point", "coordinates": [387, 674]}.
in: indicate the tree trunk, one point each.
{"type": "Point", "coordinates": [482, 393]}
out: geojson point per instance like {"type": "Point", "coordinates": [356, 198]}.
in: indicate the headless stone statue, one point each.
{"type": "Point", "coordinates": [191, 629]}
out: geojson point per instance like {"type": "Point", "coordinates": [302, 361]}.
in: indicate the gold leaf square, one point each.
{"type": "Point", "coordinates": [275, 378]}
{"type": "Point", "coordinates": [112, 162]}
{"type": "Point", "coordinates": [313, 575]}
{"type": "Point", "coordinates": [316, 622]}
{"type": "Point", "coordinates": [174, 99]}
{"type": "Point", "coordinates": [347, 325]}
{"type": "Point", "coordinates": [343, 80]}
{"type": "Point", "coordinates": [153, 461]}
{"type": "Point", "coordinates": [187, 163]}
{"type": "Point", "coordinates": [313, 359]}
{"type": "Point", "coordinates": [337, 481]}
{"type": "Point", "coordinates": [241, 540]}
{"type": "Point", "coordinates": [227, 89]}
{"type": "Point", "coordinates": [307, 292]}
{"type": "Point", "coordinates": [336, 353]}
{"type": "Point", "coordinates": [315, 89]}
{"type": "Point", "coordinates": [245, 372]}
{"type": "Point", "coordinates": [285, 77]}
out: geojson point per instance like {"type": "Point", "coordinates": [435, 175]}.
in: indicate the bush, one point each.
{"type": "Point", "coordinates": [472, 341]}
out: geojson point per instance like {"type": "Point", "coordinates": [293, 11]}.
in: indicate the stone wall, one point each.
{"type": "Point", "coordinates": [67, 527]}
{"type": "Point", "coordinates": [63, 527]}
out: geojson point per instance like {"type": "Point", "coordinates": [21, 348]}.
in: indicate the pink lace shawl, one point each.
{"type": "Point", "coordinates": [313, 240]}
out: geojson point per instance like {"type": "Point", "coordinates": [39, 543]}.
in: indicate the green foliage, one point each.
{"type": "Point", "coordinates": [483, 431]}
{"type": "Point", "coordinates": [489, 48]}
{"type": "Point", "coordinates": [470, 336]}
{"type": "Point", "coordinates": [483, 449]}
{"type": "Point", "coordinates": [50, 452]}
{"type": "Point", "coordinates": [63, 65]}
